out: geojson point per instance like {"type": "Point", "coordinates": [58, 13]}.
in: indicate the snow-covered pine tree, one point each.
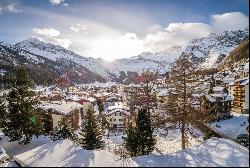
{"type": "Point", "coordinates": [62, 131]}
{"type": "Point", "coordinates": [91, 132]}
{"type": "Point", "coordinates": [22, 119]}
{"type": "Point", "coordinates": [131, 141]}
{"type": "Point", "coordinates": [144, 130]}
{"type": "Point", "coordinates": [140, 140]}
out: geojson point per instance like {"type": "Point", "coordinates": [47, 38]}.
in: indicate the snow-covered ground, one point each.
{"type": "Point", "coordinates": [13, 148]}
{"type": "Point", "coordinates": [232, 127]}
{"type": "Point", "coordinates": [213, 152]}
{"type": "Point", "coordinates": [165, 144]}
{"type": "Point", "coordinates": [67, 154]}
{"type": "Point", "coordinates": [172, 142]}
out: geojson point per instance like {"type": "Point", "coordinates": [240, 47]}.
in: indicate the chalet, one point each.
{"type": "Point", "coordinates": [59, 109]}
{"type": "Point", "coordinates": [241, 95]}
{"type": "Point", "coordinates": [116, 116]}
{"type": "Point", "coordinates": [219, 101]}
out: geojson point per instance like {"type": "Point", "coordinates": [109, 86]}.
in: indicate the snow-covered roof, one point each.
{"type": "Point", "coordinates": [227, 81]}
{"type": "Point", "coordinates": [118, 110]}
{"type": "Point", "coordinates": [118, 105]}
{"type": "Point", "coordinates": [218, 95]}
{"type": "Point", "coordinates": [245, 82]}
{"type": "Point", "coordinates": [210, 98]}
{"type": "Point", "coordinates": [242, 79]}
{"type": "Point", "coordinates": [62, 107]}
{"type": "Point", "coordinates": [246, 67]}
{"type": "Point", "coordinates": [218, 88]}
{"type": "Point", "coordinates": [213, 152]}
{"type": "Point", "coordinates": [91, 99]}
{"type": "Point", "coordinates": [134, 85]}
{"type": "Point", "coordinates": [231, 84]}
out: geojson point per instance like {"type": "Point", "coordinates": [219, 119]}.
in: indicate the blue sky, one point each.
{"type": "Point", "coordinates": [118, 28]}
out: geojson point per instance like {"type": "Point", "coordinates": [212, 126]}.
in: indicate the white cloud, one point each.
{"type": "Point", "coordinates": [229, 21]}
{"type": "Point", "coordinates": [176, 34]}
{"type": "Point", "coordinates": [65, 4]}
{"type": "Point", "coordinates": [10, 8]}
{"type": "Point", "coordinates": [46, 32]}
{"type": "Point", "coordinates": [77, 28]}
{"type": "Point", "coordinates": [56, 2]}
{"type": "Point", "coordinates": [51, 35]}
{"type": "Point", "coordinates": [1, 9]}
{"type": "Point", "coordinates": [13, 8]}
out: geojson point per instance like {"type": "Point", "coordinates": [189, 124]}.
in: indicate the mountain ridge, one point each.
{"type": "Point", "coordinates": [210, 51]}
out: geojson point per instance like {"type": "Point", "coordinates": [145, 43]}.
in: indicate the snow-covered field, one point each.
{"type": "Point", "coordinates": [233, 126]}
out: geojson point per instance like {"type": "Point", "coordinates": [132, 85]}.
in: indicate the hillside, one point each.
{"type": "Point", "coordinates": [241, 53]}
{"type": "Point", "coordinates": [41, 69]}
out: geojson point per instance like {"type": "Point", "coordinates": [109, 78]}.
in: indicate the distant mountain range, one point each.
{"type": "Point", "coordinates": [48, 62]}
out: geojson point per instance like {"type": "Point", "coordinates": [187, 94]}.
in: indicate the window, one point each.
{"type": "Point", "coordinates": [114, 119]}
{"type": "Point", "coordinates": [110, 119]}
{"type": "Point", "coordinates": [120, 114]}
{"type": "Point", "coordinates": [120, 119]}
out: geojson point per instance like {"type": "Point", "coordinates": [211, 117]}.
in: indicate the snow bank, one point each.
{"type": "Point", "coordinates": [213, 152]}
{"type": "Point", "coordinates": [66, 154]}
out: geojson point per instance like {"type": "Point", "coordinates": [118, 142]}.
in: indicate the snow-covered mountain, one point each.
{"type": "Point", "coordinates": [56, 52]}
{"type": "Point", "coordinates": [210, 51]}
{"type": "Point", "coordinates": [213, 49]}
{"type": "Point", "coordinates": [42, 69]}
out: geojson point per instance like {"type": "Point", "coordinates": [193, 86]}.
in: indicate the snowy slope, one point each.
{"type": "Point", "coordinates": [66, 154]}
{"type": "Point", "coordinates": [215, 45]}
{"type": "Point", "coordinates": [56, 52]}
{"type": "Point", "coordinates": [147, 61]}
{"type": "Point", "coordinates": [212, 153]}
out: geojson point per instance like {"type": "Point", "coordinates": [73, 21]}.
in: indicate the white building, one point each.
{"type": "Point", "coordinates": [116, 116]}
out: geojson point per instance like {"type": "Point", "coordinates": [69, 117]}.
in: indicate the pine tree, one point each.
{"type": "Point", "coordinates": [91, 132]}
{"type": "Point", "coordinates": [22, 120]}
{"type": "Point", "coordinates": [131, 141]}
{"type": "Point", "coordinates": [47, 120]}
{"type": "Point", "coordinates": [101, 115]}
{"type": "Point", "coordinates": [140, 140]}
{"type": "Point", "coordinates": [62, 131]}
{"type": "Point", "coordinates": [100, 105]}
{"type": "Point", "coordinates": [144, 132]}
